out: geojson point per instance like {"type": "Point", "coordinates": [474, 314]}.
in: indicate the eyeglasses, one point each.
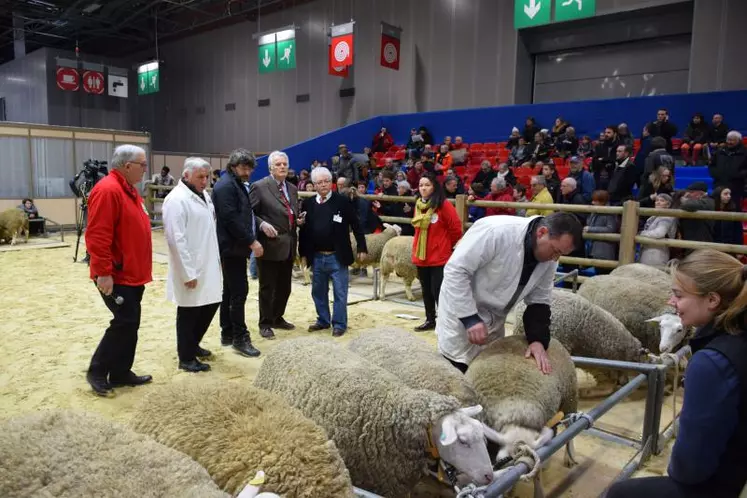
{"type": "Point", "coordinates": [322, 182]}
{"type": "Point", "coordinates": [143, 164]}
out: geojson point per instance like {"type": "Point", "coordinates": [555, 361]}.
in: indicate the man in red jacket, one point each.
{"type": "Point", "coordinates": [118, 238]}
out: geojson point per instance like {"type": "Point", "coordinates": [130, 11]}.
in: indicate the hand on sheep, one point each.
{"type": "Point", "coordinates": [478, 334]}
{"type": "Point", "coordinates": [257, 249]}
{"type": "Point", "coordinates": [191, 284]}
{"type": "Point", "coordinates": [537, 350]}
{"type": "Point", "coordinates": [105, 285]}
{"type": "Point", "coordinates": [268, 230]}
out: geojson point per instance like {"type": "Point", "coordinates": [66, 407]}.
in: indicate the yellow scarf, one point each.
{"type": "Point", "coordinates": [422, 219]}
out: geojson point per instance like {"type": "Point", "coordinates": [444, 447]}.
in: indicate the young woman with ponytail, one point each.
{"type": "Point", "coordinates": [709, 458]}
{"type": "Point", "coordinates": [437, 230]}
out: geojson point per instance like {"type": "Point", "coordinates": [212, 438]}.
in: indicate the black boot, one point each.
{"type": "Point", "coordinates": [99, 384]}
{"type": "Point", "coordinates": [427, 325]}
{"type": "Point", "coordinates": [203, 353]}
{"type": "Point", "coordinates": [129, 379]}
{"type": "Point", "coordinates": [243, 345]}
{"type": "Point", "coordinates": [194, 366]}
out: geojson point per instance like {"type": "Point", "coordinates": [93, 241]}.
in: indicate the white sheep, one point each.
{"type": "Point", "coordinates": [13, 222]}
{"type": "Point", "coordinates": [67, 454]}
{"type": "Point", "coordinates": [234, 430]}
{"type": "Point", "coordinates": [645, 273]}
{"type": "Point", "coordinates": [383, 428]}
{"type": "Point", "coordinates": [637, 304]}
{"type": "Point", "coordinates": [375, 245]}
{"type": "Point", "coordinates": [413, 361]}
{"type": "Point", "coordinates": [397, 257]}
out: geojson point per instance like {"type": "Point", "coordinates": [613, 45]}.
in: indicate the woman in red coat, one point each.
{"type": "Point", "coordinates": [437, 230]}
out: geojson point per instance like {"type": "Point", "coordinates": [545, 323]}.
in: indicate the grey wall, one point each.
{"type": "Point", "coordinates": [84, 109]}
{"type": "Point", "coordinates": [454, 54]}
{"type": "Point", "coordinates": [717, 60]}
{"type": "Point", "coordinates": [23, 86]}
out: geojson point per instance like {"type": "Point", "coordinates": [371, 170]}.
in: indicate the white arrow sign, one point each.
{"type": "Point", "coordinates": [532, 9]}
{"type": "Point", "coordinates": [266, 61]}
{"type": "Point", "coordinates": [142, 84]}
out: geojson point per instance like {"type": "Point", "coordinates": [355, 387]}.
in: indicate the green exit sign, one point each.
{"type": "Point", "coordinates": [529, 13]}
{"type": "Point", "coordinates": [277, 51]}
{"type": "Point", "coordinates": [148, 78]}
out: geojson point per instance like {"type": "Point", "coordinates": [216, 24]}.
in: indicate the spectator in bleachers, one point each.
{"type": "Point", "coordinates": [382, 141]}
{"type": "Point", "coordinates": [519, 154]}
{"type": "Point", "coordinates": [341, 183]}
{"type": "Point", "coordinates": [724, 231]}
{"type": "Point", "coordinates": [447, 141]}
{"type": "Point", "coordinates": [601, 223]}
{"type": "Point", "coordinates": [369, 220]}
{"type": "Point", "coordinates": [303, 179]}
{"type": "Point", "coordinates": [437, 230]}
{"type": "Point", "coordinates": [476, 193]}
{"type": "Point", "coordinates": [415, 144]}
{"type": "Point", "coordinates": [508, 175]}
{"type": "Point", "coordinates": [584, 180]}
{"type": "Point", "coordinates": [658, 182]}
{"type": "Point", "coordinates": [540, 195]}
{"type": "Point", "coordinates": [453, 186]}
{"type": "Point", "coordinates": [427, 137]}
{"type": "Point", "coordinates": [662, 127]}
{"type": "Point", "coordinates": [603, 162]}
{"type": "Point", "coordinates": [728, 167]}
{"type": "Point", "coordinates": [443, 160]}
{"type": "Point", "coordinates": [502, 192]}
{"type": "Point", "coordinates": [530, 129]}
{"type": "Point", "coordinates": [428, 158]}
{"type": "Point", "coordinates": [402, 210]}
{"type": "Point", "coordinates": [539, 151]}
{"type": "Point", "coordinates": [658, 227]}
{"type": "Point", "coordinates": [717, 133]}
{"type": "Point", "coordinates": [624, 136]}
{"type": "Point", "coordinates": [623, 177]}
{"type": "Point", "coordinates": [559, 128]}
{"type": "Point", "coordinates": [400, 176]}
{"type": "Point", "coordinates": [552, 179]}
{"type": "Point", "coordinates": [387, 183]}
{"type": "Point", "coordinates": [585, 147]}
{"type": "Point", "coordinates": [659, 156]}
{"type": "Point", "coordinates": [520, 195]}
{"type": "Point", "coordinates": [513, 139]}
{"type": "Point", "coordinates": [348, 165]}
{"type": "Point", "coordinates": [547, 139]}
{"type": "Point", "coordinates": [292, 177]}
{"type": "Point", "coordinates": [640, 158]}
{"type": "Point", "coordinates": [569, 194]}
{"type": "Point", "coordinates": [695, 137]}
{"type": "Point", "coordinates": [485, 175]}
{"type": "Point", "coordinates": [309, 187]}
{"type": "Point", "coordinates": [458, 144]}
{"type": "Point", "coordinates": [695, 198]}
{"type": "Point", "coordinates": [414, 174]}
{"type": "Point", "coordinates": [567, 143]}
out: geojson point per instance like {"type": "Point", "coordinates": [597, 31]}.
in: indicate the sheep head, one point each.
{"type": "Point", "coordinates": [512, 435]}
{"type": "Point", "coordinates": [397, 229]}
{"type": "Point", "coordinates": [671, 329]}
{"type": "Point", "coordinates": [460, 440]}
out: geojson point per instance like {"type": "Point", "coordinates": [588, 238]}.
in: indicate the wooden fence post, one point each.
{"type": "Point", "coordinates": [628, 231]}
{"type": "Point", "coordinates": [149, 204]}
{"type": "Point", "coordinates": [461, 209]}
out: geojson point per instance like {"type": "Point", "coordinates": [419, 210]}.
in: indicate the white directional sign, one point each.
{"type": "Point", "coordinates": [118, 86]}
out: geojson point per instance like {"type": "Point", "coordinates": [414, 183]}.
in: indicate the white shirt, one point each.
{"type": "Point", "coordinates": [481, 277]}
{"type": "Point", "coordinates": [189, 225]}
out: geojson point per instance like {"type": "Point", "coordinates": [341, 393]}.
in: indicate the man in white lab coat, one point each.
{"type": "Point", "coordinates": [499, 261]}
{"type": "Point", "coordinates": [194, 281]}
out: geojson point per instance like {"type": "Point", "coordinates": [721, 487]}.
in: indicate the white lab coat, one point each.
{"type": "Point", "coordinates": [189, 224]}
{"type": "Point", "coordinates": [481, 277]}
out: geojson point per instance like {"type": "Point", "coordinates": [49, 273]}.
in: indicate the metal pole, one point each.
{"type": "Point", "coordinates": [364, 494]}
{"type": "Point", "coordinates": [614, 364]}
{"type": "Point", "coordinates": [509, 479]}
{"type": "Point", "coordinates": [661, 380]}
{"type": "Point", "coordinates": [649, 415]}
{"type": "Point", "coordinates": [376, 278]}
{"type": "Point", "coordinates": [614, 438]}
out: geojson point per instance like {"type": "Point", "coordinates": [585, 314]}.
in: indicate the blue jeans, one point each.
{"type": "Point", "coordinates": [253, 266]}
{"type": "Point", "coordinates": [327, 267]}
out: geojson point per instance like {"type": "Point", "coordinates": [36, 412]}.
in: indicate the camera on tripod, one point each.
{"type": "Point", "coordinates": [93, 171]}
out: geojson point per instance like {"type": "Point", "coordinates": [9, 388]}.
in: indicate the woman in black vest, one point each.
{"type": "Point", "coordinates": [709, 458]}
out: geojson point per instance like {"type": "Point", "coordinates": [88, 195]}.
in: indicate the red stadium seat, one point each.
{"type": "Point", "coordinates": [378, 155]}
{"type": "Point", "coordinates": [389, 155]}
{"type": "Point", "coordinates": [563, 171]}
{"type": "Point", "coordinates": [491, 146]}
{"type": "Point", "coordinates": [491, 152]}
{"type": "Point", "coordinates": [559, 161]}
{"type": "Point", "coordinates": [394, 148]}
{"type": "Point", "coordinates": [476, 146]}
{"type": "Point", "coordinates": [399, 155]}
{"type": "Point", "coordinates": [380, 162]}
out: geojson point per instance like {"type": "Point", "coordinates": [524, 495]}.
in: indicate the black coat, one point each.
{"type": "Point", "coordinates": [728, 168]}
{"type": "Point", "coordinates": [666, 130]}
{"type": "Point", "coordinates": [574, 198]}
{"type": "Point", "coordinates": [343, 207]}
{"type": "Point", "coordinates": [233, 213]}
{"type": "Point", "coordinates": [621, 183]}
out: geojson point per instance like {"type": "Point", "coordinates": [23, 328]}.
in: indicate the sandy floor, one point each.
{"type": "Point", "coordinates": [53, 319]}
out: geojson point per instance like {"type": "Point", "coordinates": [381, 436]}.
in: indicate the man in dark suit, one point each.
{"type": "Point", "coordinates": [236, 229]}
{"type": "Point", "coordinates": [326, 221]}
{"type": "Point", "coordinates": [275, 204]}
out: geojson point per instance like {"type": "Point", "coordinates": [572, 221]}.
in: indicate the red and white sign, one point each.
{"type": "Point", "coordinates": [390, 52]}
{"type": "Point", "coordinates": [335, 69]}
{"type": "Point", "coordinates": [341, 53]}
{"type": "Point", "coordinates": [68, 79]}
{"type": "Point", "coordinates": [93, 82]}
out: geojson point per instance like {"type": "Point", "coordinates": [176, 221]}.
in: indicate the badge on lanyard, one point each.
{"type": "Point", "coordinates": [337, 218]}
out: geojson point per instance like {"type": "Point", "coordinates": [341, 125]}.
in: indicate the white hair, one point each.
{"type": "Point", "coordinates": [125, 154]}
{"type": "Point", "coordinates": [540, 180]}
{"type": "Point", "coordinates": [275, 155]}
{"type": "Point", "coordinates": [499, 182]}
{"type": "Point", "coordinates": [404, 184]}
{"type": "Point", "coordinates": [570, 181]}
{"type": "Point", "coordinates": [194, 163]}
{"type": "Point", "coordinates": [318, 173]}
{"type": "Point", "coordinates": [734, 134]}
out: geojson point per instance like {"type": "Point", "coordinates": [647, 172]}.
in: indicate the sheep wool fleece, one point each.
{"type": "Point", "coordinates": [377, 422]}
{"type": "Point", "coordinates": [235, 430]}
{"type": "Point", "coordinates": [68, 454]}
{"type": "Point", "coordinates": [585, 329]}
{"type": "Point", "coordinates": [513, 390]}
{"type": "Point", "coordinates": [415, 362]}
{"type": "Point", "coordinates": [375, 244]}
{"type": "Point", "coordinates": [632, 301]}
{"type": "Point", "coordinates": [645, 273]}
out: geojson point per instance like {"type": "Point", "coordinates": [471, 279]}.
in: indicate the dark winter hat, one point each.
{"type": "Point", "coordinates": [697, 186]}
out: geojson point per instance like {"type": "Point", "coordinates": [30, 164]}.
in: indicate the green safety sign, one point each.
{"type": "Point", "coordinates": [567, 10]}
{"type": "Point", "coordinates": [267, 58]}
{"type": "Point", "coordinates": [286, 54]}
{"type": "Point", "coordinates": [147, 82]}
{"type": "Point", "coordinates": [529, 13]}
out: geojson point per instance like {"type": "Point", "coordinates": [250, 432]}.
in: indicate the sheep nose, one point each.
{"type": "Point", "coordinates": [489, 477]}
